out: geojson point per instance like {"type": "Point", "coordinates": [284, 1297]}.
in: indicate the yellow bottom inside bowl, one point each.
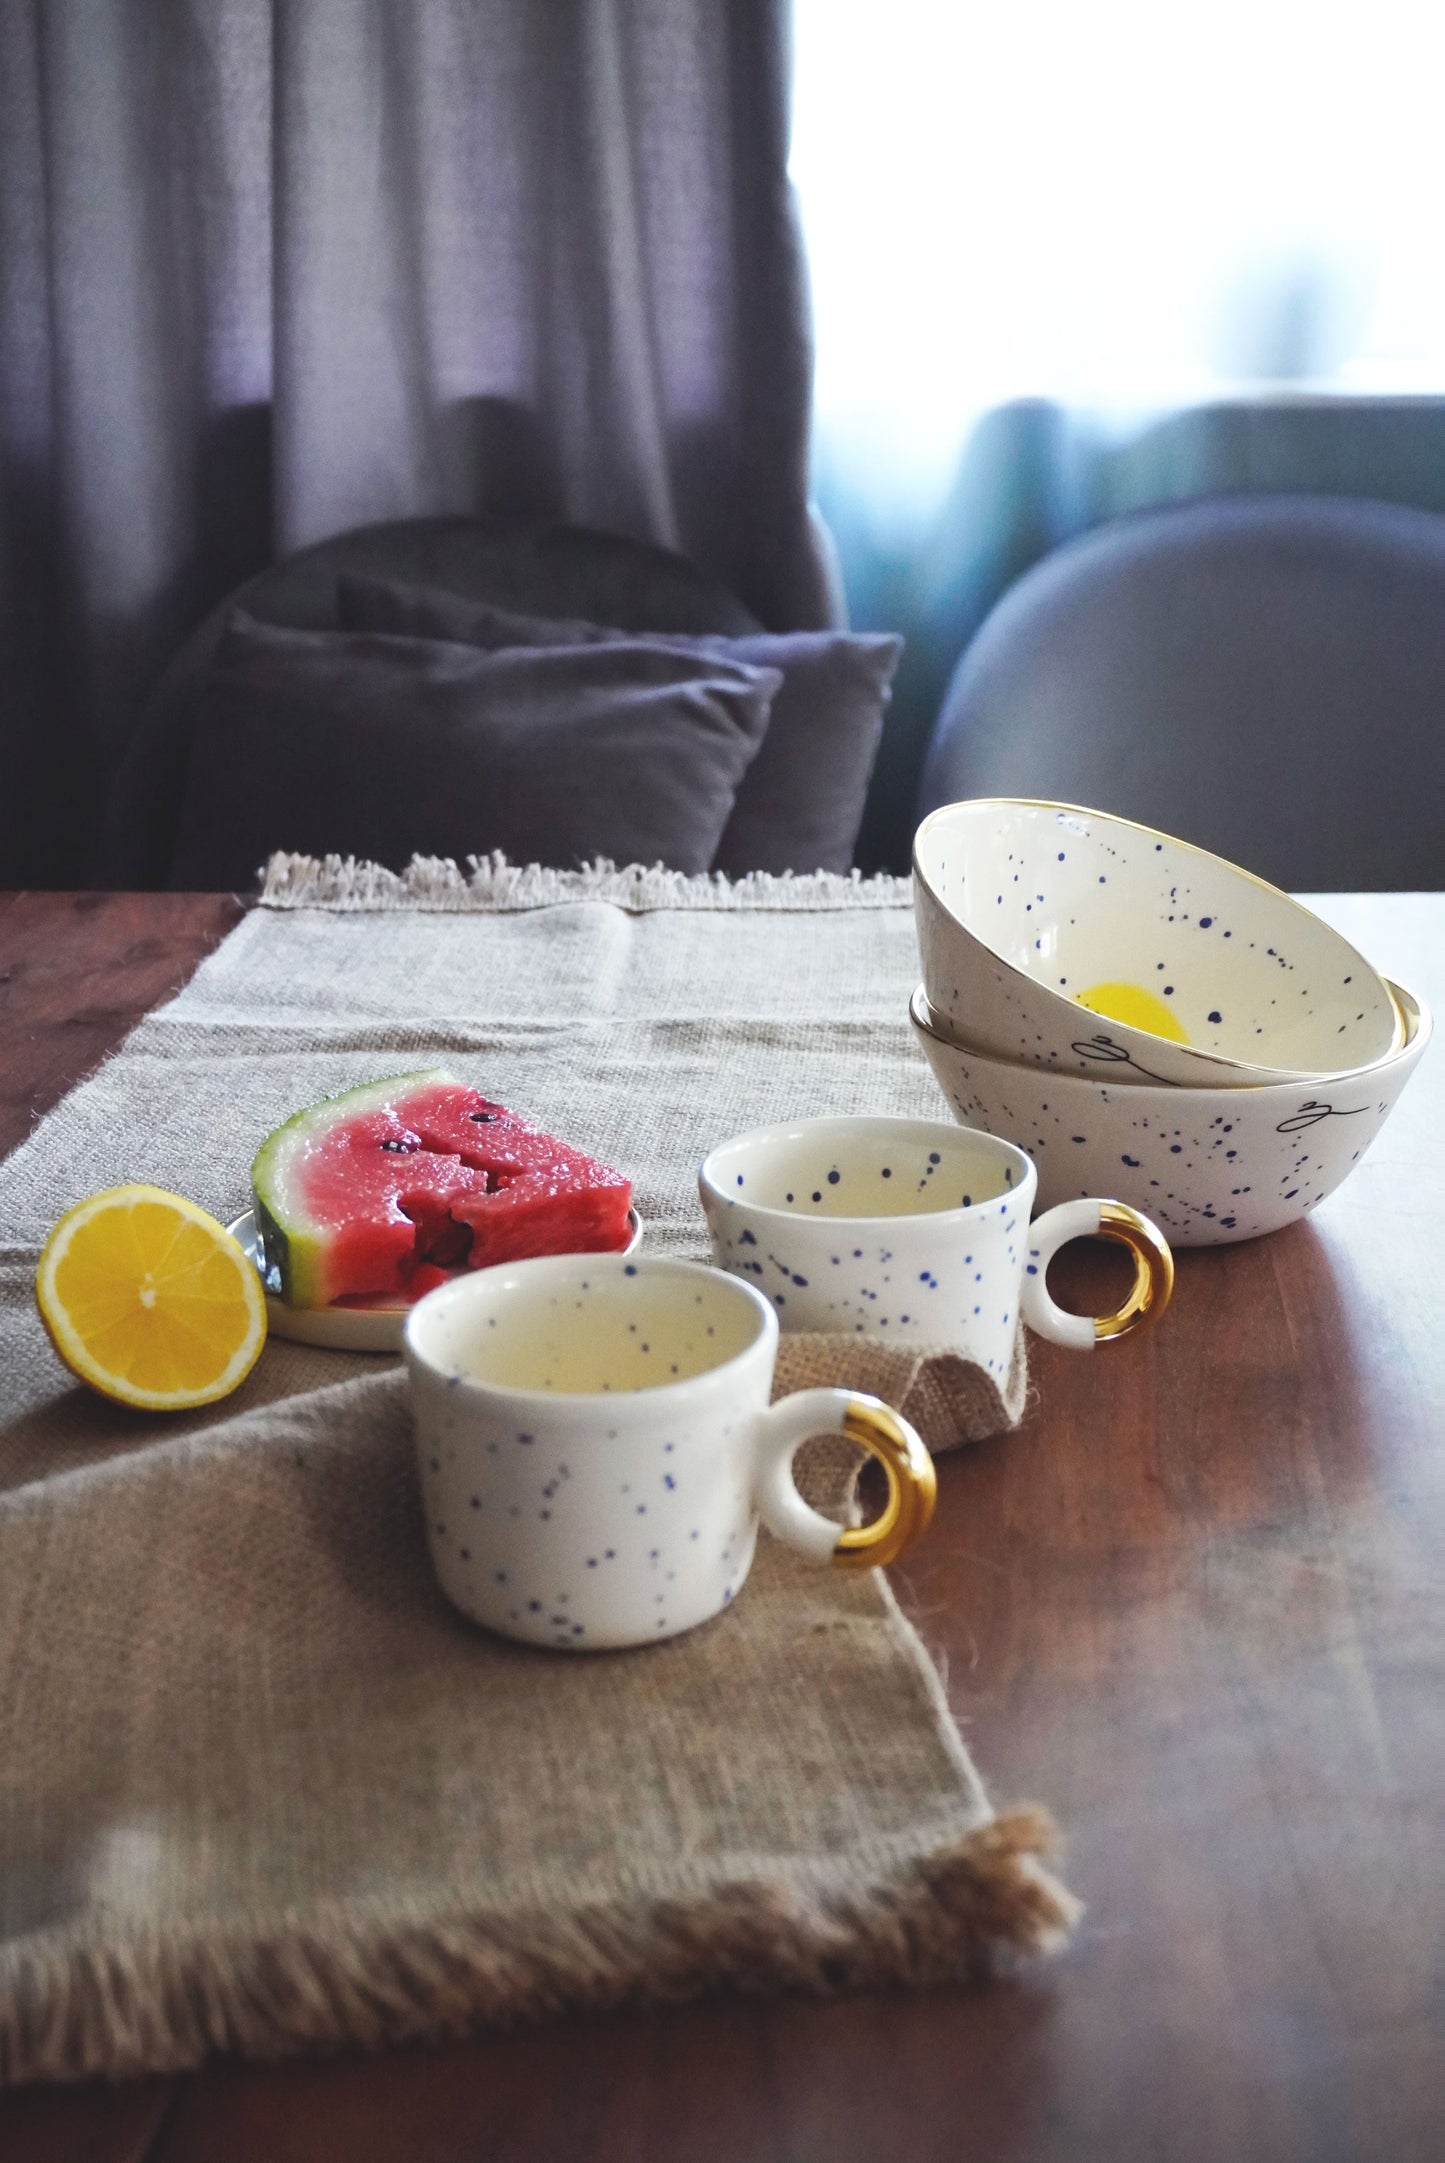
{"type": "Point", "coordinates": [1134, 1007]}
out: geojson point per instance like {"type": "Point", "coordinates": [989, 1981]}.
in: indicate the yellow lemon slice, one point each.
{"type": "Point", "coordinates": [1135, 1007]}
{"type": "Point", "coordinates": [150, 1300]}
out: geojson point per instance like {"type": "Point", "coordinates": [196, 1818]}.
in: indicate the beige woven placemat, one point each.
{"type": "Point", "coordinates": [261, 1790]}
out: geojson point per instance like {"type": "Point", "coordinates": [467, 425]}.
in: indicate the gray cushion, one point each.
{"type": "Point", "coordinates": [561, 570]}
{"type": "Point", "coordinates": [381, 747]}
{"type": "Point", "coordinates": [801, 800]}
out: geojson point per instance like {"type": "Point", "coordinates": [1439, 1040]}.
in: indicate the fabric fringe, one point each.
{"type": "Point", "coordinates": [492, 885]}
{"type": "Point", "coordinates": [164, 2006]}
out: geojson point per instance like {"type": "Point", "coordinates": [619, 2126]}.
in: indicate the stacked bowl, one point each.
{"type": "Point", "coordinates": [1147, 1020]}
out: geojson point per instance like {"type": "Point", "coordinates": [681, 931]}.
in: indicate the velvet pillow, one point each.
{"type": "Point", "coordinates": [801, 801]}
{"type": "Point", "coordinates": [382, 747]}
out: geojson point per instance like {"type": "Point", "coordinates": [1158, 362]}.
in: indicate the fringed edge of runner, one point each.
{"type": "Point", "coordinates": [490, 884]}
{"type": "Point", "coordinates": [345, 1981]}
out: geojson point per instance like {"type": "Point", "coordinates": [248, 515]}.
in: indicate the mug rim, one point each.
{"type": "Point", "coordinates": [947, 1131]}
{"type": "Point", "coordinates": [456, 1293]}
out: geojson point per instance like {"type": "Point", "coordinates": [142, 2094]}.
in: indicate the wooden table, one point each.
{"type": "Point", "coordinates": [1195, 1604]}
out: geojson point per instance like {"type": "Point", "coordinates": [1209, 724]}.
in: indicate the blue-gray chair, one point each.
{"type": "Point", "coordinates": [1263, 675]}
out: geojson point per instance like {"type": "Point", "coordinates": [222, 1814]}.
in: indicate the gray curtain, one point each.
{"type": "Point", "coordinates": [270, 269]}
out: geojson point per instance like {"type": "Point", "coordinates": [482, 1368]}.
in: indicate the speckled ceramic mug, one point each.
{"type": "Point", "coordinates": [597, 1447]}
{"type": "Point", "coordinates": [914, 1229]}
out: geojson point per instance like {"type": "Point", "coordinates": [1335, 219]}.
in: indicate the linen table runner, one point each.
{"type": "Point", "coordinates": [261, 1789]}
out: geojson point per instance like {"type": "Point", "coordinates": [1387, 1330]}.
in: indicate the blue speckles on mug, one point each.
{"type": "Point", "coordinates": [921, 1190]}
{"type": "Point", "coordinates": [525, 1499]}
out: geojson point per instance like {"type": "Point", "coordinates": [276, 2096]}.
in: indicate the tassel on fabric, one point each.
{"type": "Point", "coordinates": [491, 884]}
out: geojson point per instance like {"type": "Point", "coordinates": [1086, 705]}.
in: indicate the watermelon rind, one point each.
{"type": "Point", "coordinates": [293, 1253]}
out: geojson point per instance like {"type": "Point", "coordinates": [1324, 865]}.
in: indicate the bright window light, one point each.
{"type": "Point", "coordinates": [1124, 205]}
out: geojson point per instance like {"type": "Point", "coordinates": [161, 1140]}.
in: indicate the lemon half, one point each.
{"type": "Point", "coordinates": [149, 1300]}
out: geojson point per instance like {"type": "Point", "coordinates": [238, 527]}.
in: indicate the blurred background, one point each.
{"type": "Point", "coordinates": [972, 281]}
{"type": "Point", "coordinates": [1071, 262]}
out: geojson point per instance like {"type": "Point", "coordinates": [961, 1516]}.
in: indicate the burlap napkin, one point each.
{"type": "Point", "coordinates": [261, 1790]}
{"type": "Point", "coordinates": [948, 1399]}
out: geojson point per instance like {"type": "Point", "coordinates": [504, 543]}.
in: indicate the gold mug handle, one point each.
{"type": "Point", "coordinates": [1148, 1296]}
{"type": "Point", "coordinates": [912, 1487]}
{"type": "Point", "coordinates": [875, 1427]}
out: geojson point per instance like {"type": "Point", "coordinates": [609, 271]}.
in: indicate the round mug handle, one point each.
{"type": "Point", "coordinates": [875, 1427]}
{"type": "Point", "coordinates": [1148, 1295]}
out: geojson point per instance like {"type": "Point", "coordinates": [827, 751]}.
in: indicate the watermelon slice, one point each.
{"type": "Point", "coordinates": [381, 1193]}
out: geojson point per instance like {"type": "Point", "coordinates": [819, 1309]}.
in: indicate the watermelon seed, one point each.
{"type": "Point", "coordinates": [483, 1118]}
{"type": "Point", "coordinates": [402, 1149]}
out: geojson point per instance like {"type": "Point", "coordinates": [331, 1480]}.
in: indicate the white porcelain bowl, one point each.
{"type": "Point", "coordinates": [1198, 973]}
{"type": "Point", "coordinates": [1207, 1165]}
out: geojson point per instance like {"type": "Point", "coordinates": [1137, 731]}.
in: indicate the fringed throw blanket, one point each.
{"type": "Point", "coordinates": [261, 1790]}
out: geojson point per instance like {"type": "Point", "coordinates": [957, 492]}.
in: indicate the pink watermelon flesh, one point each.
{"type": "Point", "coordinates": [444, 1180]}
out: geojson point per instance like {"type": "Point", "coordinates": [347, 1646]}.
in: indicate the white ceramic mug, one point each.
{"type": "Point", "coordinates": [596, 1448]}
{"type": "Point", "coordinates": [914, 1229]}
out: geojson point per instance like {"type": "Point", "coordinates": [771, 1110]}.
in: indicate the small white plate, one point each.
{"type": "Point", "coordinates": [343, 1329]}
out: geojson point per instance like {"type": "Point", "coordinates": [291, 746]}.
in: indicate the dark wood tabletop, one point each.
{"type": "Point", "coordinates": [1196, 1604]}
